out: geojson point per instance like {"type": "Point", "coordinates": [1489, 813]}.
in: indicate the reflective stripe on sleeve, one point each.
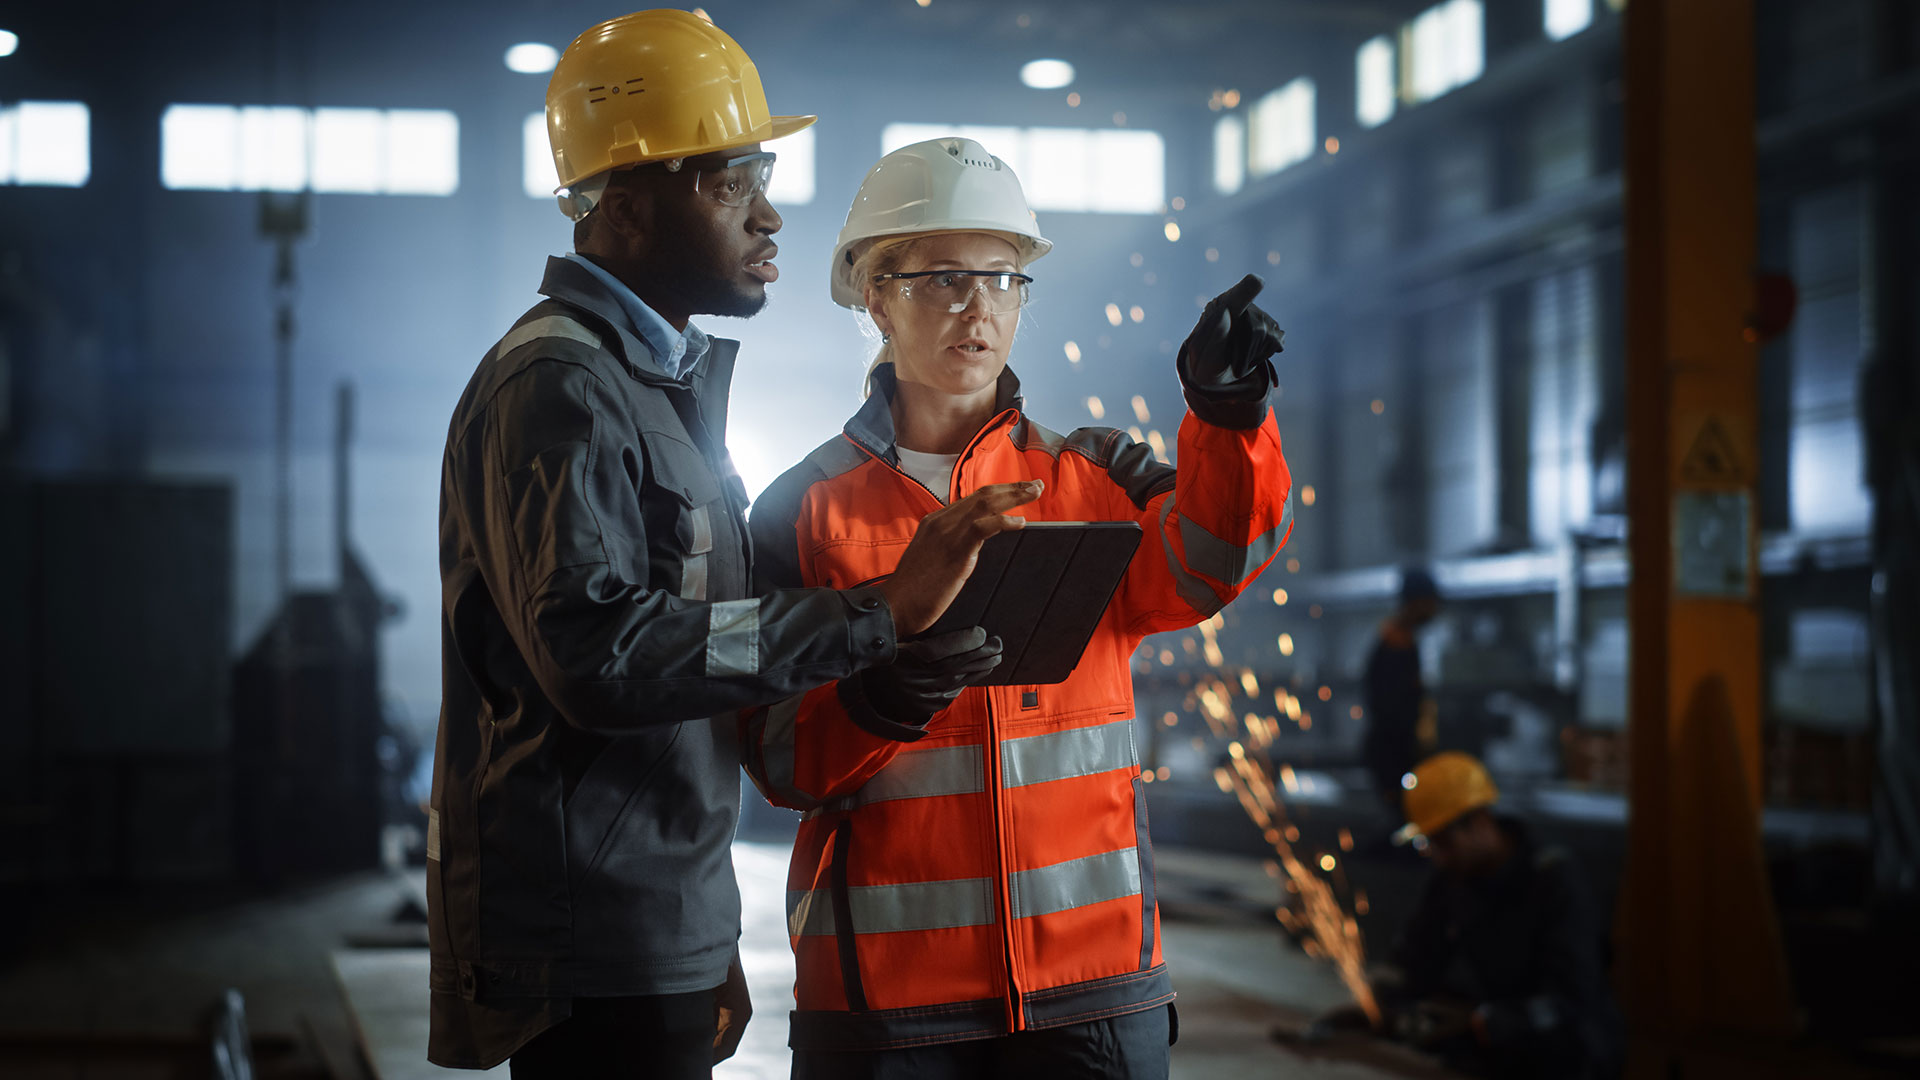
{"type": "Point", "coordinates": [1074, 883]}
{"type": "Point", "coordinates": [885, 909]}
{"type": "Point", "coordinates": [1198, 594]}
{"type": "Point", "coordinates": [551, 326]}
{"type": "Point", "coordinates": [774, 727]}
{"type": "Point", "coordinates": [733, 638]}
{"type": "Point", "coordinates": [1228, 562]}
{"type": "Point", "coordinates": [1059, 755]}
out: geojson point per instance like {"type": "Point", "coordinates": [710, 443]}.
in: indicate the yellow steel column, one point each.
{"type": "Point", "coordinates": [1699, 947]}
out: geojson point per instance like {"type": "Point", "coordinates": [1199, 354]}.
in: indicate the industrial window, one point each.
{"type": "Point", "coordinates": [1565, 18]}
{"type": "Point", "coordinates": [1442, 49]}
{"type": "Point", "coordinates": [1071, 169]}
{"type": "Point", "coordinates": [45, 143]}
{"type": "Point", "coordinates": [284, 148]}
{"type": "Point", "coordinates": [1281, 128]}
{"type": "Point", "coordinates": [792, 171]}
{"type": "Point", "coordinates": [1229, 154]}
{"type": "Point", "coordinates": [1376, 90]}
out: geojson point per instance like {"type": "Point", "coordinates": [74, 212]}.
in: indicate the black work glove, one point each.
{"type": "Point", "coordinates": [1226, 363]}
{"type": "Point", "coordinates": [926, 675]}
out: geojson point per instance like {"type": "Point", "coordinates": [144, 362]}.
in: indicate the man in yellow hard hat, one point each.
{"type": "Point", "coordinates": [1503, 960]}
{"type": "Point", "coordinates": [599, 628]}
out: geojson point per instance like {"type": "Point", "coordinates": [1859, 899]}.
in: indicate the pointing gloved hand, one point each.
{"type": "Point", "coordinates": [926, 675]}
{"type": "Point", "coordinates": [1232, 340]}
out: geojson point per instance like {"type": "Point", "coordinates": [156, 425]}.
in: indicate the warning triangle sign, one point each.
{"type": "Point", "coordinates": [1711, 459]}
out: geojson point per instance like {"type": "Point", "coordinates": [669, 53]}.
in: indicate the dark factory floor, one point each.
{"type": "Point", "coordinates": [120, 988]}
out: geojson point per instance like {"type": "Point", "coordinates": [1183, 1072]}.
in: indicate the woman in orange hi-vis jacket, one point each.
{"type": "Point", "coordinates": [972, 890]}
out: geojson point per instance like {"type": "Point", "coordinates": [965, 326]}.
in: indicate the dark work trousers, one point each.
{"type": "Point", "coordinates": [660, 1037]}
{"type": "Point", "coordinates": [1130, 1047]}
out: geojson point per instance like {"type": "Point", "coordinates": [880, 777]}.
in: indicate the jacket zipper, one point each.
{"type": "Point", "coordinates": [1016, 1019]}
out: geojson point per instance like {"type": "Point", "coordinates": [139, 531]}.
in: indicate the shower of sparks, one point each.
{"type": "Point", "coordinates": [1280, 597]}
{"type": "Point", "coordinates": [1095, 409]}
{"type": "Point", "coordinates": [1073, 352]}
{"type": "Point", "coordinates": [1140, 409]}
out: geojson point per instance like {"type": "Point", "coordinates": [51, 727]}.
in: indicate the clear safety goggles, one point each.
{"type": "Point", "coordinates": [735, 182]}
{"type": "Point", "coordinates": [952, 290]}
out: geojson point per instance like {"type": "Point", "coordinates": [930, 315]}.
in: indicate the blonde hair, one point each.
{"type": "Point", "coordinates": [881, 257]}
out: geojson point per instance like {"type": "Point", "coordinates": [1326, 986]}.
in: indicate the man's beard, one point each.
{"type": "Point", "coordinates": [714, 296]}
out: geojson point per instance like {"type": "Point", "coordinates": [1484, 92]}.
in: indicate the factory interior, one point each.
{"type": "Point", "coordinates": [1601, 317]}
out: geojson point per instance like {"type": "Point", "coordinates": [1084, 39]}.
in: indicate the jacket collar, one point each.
{"type": "Point", "coordinates": [872, 427]}
{"type": "Point", "coordinates": [572, 284]}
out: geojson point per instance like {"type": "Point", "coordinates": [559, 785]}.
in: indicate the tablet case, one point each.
{"type": "Point", "coordinates": [1042, 589]}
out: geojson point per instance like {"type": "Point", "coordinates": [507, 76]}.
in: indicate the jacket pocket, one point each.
{"type": "Point", "coordinates": [609, 787]}
{"type": "Point", "coordinates": [683, 503]}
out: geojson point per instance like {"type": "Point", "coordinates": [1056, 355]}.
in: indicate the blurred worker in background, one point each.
{"type": "Point", "coordinates": [1400, 716]}
{"type": "Point", "coordinates": [971, 894]}
{"type": "Point", "coordinates": [1503, 962]}
{"type": "Point", "coordinates": [583, 913]}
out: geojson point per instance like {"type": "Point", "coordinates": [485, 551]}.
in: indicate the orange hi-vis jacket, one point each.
{"type": "Point", "coordinates": [991, 872]}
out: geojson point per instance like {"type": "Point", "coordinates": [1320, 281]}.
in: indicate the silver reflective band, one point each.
{"type": "Point", "coordinates": [701, 521]}
{"type": "Point", "coordinates": [433, 834]}
{"type": "Point", "coordinates": [693, 578]}
{"type": "Point", "coordinates": [1227, 562]}
{"type": "Point", "coordinates": [733, 638]}
{"type": "Point", "coordinates": [1198, 594]}
{"type": "Point", "coordinates": [886, 909]}
{"type": "Point", "coordinates": [919, 774]}
{"type": "Point", "coordinates": [1060, 755]}
{"type": "Point", "coordinates": [1074, 883]}
{"type": "Point", "coordinates": [775, 726]}
{"type": "Point", "coordinates": [551, 326]}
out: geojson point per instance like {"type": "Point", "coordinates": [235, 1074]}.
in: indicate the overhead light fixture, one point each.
{"type": "Point", "coordinates": [9, 41]}
{"type": "Point", "coordinates": [1046, 74]}
{"type": "Point", "coordinates": [532, 58]}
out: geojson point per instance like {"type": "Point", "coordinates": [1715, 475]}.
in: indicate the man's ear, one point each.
{"type": "Point", "coordinates": [627, 211]}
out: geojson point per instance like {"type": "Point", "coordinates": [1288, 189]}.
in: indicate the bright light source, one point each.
{"type": "Point", "coordinates": [1564, 18]}
{"type": "Point", "coordinates": [1282, 128]}
{"type": "Point", "coordinates": [279, 148]}
{"type": "Point", "coordinates": [1047, 74]}
{"type": "Point", "coordinates": [1172, 230]}
{"type": "Point", "coordinates": [9, 41]}
{"type": "Point", "coordinates": [1375, 86]}
{"type": "Point", "coordinates": [1229, 154]}
{"type": "Point", "coordinates": [45, 143]}
{"type": "Point", "coordinates": [532, 58]}
{"type": "Point", "coordinates": [423, 153]}
{"type": "Point", "coordinates": [537, 174]}
{"type": "Point", "coordinates": [792, 183]}
{"type": "Point", "coordinates": [1444, 48]}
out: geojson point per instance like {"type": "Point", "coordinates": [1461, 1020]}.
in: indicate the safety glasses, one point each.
{"type": "Point", "coordinates": [952, 290]}
{"type": "Point", "coordinates": [738, 182]}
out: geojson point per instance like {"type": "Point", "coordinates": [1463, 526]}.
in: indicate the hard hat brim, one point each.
{"type": "Point", "coordinates": [784, 126]}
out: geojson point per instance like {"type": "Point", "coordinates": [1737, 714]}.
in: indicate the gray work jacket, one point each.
{"type": "Point", "coordinates": [598, 634]}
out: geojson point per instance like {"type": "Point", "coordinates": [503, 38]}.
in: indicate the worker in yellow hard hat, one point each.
{"type": "Point", "coordinates": [1502, 965]}
{"type": "Point", "coordinates": [599, 626]}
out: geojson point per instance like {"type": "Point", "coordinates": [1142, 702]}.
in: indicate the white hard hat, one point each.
{"type": "Point", "coordinates": [941, 185]}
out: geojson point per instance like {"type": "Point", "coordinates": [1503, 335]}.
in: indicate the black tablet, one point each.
{"type": "Point", "coordinates": [1042, 589]}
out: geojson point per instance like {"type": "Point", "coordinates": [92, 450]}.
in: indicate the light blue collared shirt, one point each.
{"type": "Point", "coordinates": [675, 352]}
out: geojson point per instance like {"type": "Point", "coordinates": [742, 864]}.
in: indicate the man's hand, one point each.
{"type": "Point", "coordinates": [731, 1011]}
{"type": "Point", "coordinates": [1232, 339]}
{"type": "Point", "coordinates": [928, 674]}
{"type": "Point", "coordinates": [944, 550]}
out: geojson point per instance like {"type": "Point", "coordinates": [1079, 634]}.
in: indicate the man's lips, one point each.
{"type": "Point", "coordinates": [764, 269]}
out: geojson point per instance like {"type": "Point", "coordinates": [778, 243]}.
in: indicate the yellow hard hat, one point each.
{"type": "Point", "coordinates": [652, 86]}
{"type": "Point", "coordinates": [1442, 788]}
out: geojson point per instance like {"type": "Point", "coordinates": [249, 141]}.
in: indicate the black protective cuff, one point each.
{"type": "Point", "coordinates": [869, 628]}
{"type": "Point", "coordinates": [1240, 405]}
{"type": "Point", "coordinates": [862, 711]}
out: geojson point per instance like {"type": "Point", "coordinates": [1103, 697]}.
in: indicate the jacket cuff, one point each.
{"type": "Point", "coordinates": [861, 710]}
{"type": "Point", "coordinates": [869, 628]}
{"type": "Point", "coordinates": [1240, 405]}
